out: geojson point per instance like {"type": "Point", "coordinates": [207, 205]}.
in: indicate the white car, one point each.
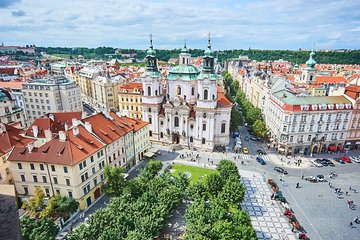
{"type": "Point", "coordinates": [355, 159]}
{"type": "Point", "coordinates": [316, 163]}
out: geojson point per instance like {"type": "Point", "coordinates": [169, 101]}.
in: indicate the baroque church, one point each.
{"type": "Point", "coordinates": [187, 107]}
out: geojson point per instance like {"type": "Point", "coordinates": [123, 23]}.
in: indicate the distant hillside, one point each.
{"type": "Point", "coordinates": [334, 57]}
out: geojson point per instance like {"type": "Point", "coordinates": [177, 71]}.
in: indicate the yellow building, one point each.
{"type": "Point", "coordinates": [9, 137]}
{"type": "Point", "coordinates": [71, 165]}
{"type": "Point", "coordinates": [130, 95]}
{"type": "Point", "coordinates": [86, 77]}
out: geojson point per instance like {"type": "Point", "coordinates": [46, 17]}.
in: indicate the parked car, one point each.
{"type": "Point", "coordinates": [316, 163]}
{"type": "Point", "coordinates": [260, 160]}
{"type": "Point", "coordinates": [355, 159]}
{"type": "Point", "coordinates": [254, 139]}
{"type": "Point", "coordinates": [246, 138]}
{"type": "Point", "coordinates": [326, 162]}
{"type": "Point", "coordinates": [245, 150]}
{"type": "Point", "coordinates": [320, 178]}
{"type": "Point", "coordinates": [260, 152]}
{"type": "Point", "coordinates": [346, 159]}
{"type": "Point", "coordinates": [280, 170]}
{"type": "Point", "coordinates": [339, 160]}
{"type": "Point", "coordinates": [311, 179]}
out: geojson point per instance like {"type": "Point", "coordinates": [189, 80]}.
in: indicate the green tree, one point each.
{"type": "Point", "coordinates": [259, 128]}
{"type": "Point", "coordinates": [228, 170]}
{"type": "Point", "coordinates": [213, 184]}
{"type": "Point", "coordinates": [236, 120]}
{"type": "Point", "coordinates": [183, 181]}
{"type": "Point", "coordinates": [38, 229]}
{"type": "Point", "coordinates": [115, 180]}
{"type": "Point", "coordinates": [151, 169]}
{"type": "Point", "coordinates": [233, 192]}
{"type": "Point", "coordinates": [196, 190]}
{"type": "Point", "coordinates": [60, 206]}
{"type": "Point", "coordinates": [36, 203]}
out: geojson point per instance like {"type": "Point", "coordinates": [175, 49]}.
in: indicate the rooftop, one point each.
{"type": "Point", "coordinates": [10, 137]}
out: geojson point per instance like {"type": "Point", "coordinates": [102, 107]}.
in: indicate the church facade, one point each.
{"type": "Point", "coordinates": [187, 107]}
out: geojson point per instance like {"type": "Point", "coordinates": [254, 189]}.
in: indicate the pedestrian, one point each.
{"type": "Point", "coordinates": [356, 219]}
{"type": "Point", "coordinates": [302, 176]}
{"type": "Point", "coordinates": [297, 185]}
{"type": "Point", "coordinates": [346, 193]}
{"type": "Point", "coordinates": [351, 224]}
{"type": "Point", "coordinates": [288, 163]}
{"type": "Point", "coordinates": [350, 188]}
{"type": "Point", "coordinates": [208, 159]}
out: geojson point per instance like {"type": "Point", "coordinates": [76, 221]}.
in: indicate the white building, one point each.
{"type": "Point", "coordinates": [105, 93]}
{"type": "Point", "coordinates": [191, 110]}
{"type": "Point", "coordinates": [56, 94]}
{"type": "Point", "coordinates": [9, 112]}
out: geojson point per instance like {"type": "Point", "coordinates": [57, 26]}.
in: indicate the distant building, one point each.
{"type": "Point", "coordinates": [130, 98]}
{"type": "Point", "coordinates": [15, 89]}
{"type": "Point", "coordinates": [353, 135]}
{"type": "Point", "coordinates": [9, 111]}
{"type": "Point", "coordinates": [86, 77]}
{"type": "Point", "coordinates": [105, 93]}
{"type": "Point", "coordinates": [55, 94]}
{"type": "Point", "coordinates": [10, 224]}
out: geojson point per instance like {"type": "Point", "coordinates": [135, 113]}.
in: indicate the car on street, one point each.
{"type": "Point", "coordinates": [260, 152]}
{"type": "Point", "coordinates": [254, 139]}
{"type": "Point", "coordinates": [339, 160]}
{"type": "Point", "coordinates": [280, 170]}
{"type": "Point", "coordinates": [346, 159]}
{"type": "Point", "coordinates": [326, 162]}
{"type": "Point", "coordinates": [310, 179]}
{"type": "Point", "coordinates": [316, 163]}
{"type": "Point", "coordinates": [320, 178]}
{"type": "Point", "coordinates": [260, 160]}
{"type": "Point", "coordinates": [246, 138]}
{"type": "Point", "coordinates": [355, 159]}
{"type": "Point", "coordinates": [245, 150]}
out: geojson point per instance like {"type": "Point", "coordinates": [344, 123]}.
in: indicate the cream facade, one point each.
{"type": "Point", "coordinates": [55, 94]}
{"type": "Point", "coordinates": [130, 99]}
{"type": "Point", "coordinates": [105, 93]}
{"type": "Point", "coordinates": [9, 111]}
{"type": "Point", "coordinates": [86, 77]}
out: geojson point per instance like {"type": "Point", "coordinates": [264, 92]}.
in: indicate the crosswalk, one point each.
{"type": "Point", "coordinates": [248, 157]}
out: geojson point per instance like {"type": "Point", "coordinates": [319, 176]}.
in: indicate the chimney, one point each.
{"type": "Point", "coordinates": [2, 128]}
{"type": "Point", "coordinates": [88, 126]}
{"type": "Point", "coordinates": [75, 130]}
{"type": "Point", "coordinates": [62, 136]}
{"type": "Point", "coordinates": [66, 127]}
{"type": "Point", "coordinates": [31, 146]}
{"type": "Point", "coordinates": [35, 130]}
{"type": "Point", "coordinates": [75, 122]}
{"type": "Point", "coordinates": [51, 116]}
{"type": "Point", "coordinates": [48, 135]}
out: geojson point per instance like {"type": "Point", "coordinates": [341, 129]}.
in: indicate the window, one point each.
{"type": "Point", "coordinates": [191, 126]}
{"type": "Point", "coordinates": [206, 94]}
{"type": "Point", "coordinates": [32, 166]}
{"type": "Point", "coordinates": [191, 139]}
{"type": "Point", "coordinates": [95, 181]}
{"type": "Point", "coordinates": [19, 166]}
{"type": "Point", "coordinates": [65, 169]}
{"type": "Point", "coordinates": [47, 192]}
{"type": "Point", "coordinates": [291, 138]}
{"type": "Point", "coordinates": [57, 191]}
{"type": "Point", "coordinates": [204, 127]}
{"type": "Point", "coordinates": [176, 124]}
{"type": "Point", "coordinates": [23, 178]}
{"type": "Point", "coordinates": [223, 126]}
{"type": "Point", "coordinates": [93, 170]}
{"type": "Point", "coordinates": [44, 179]}
{"type": "Point", "coordinates": [161, 135]}
{"type": "Point", "coordinates": [67, 181]}
{"type": "Point", "coordinates": [341, 135]}
{"type": "Point", "coordinates": [150, 120]}
{"type": "Point", "coordinates": [70, 194]}
{"type": "Point", "coordinates": [84, 163]}
{"type": "Point", "coordinates": [55, 180]}
{"type": "Point", "coordinates": [149, 91]}
{"type": "Point", "coordinates": [92, 159]}
{"type": "Point", "coordinates": [41, 167]}
{"type": "Point", "coordinates": [53, 168]}
{"type": "Point", "coordinates": [203, 141]}
{"type": "Point", "coordinates": [35, 178]}
{"type": "Point", "coordinates": [161, 123]}
{"type": "Point", "coordinates": [309, 138]}
{"type": "Point", "coordinates": [150, 133]}
{"type": "Point", "coordinates": [192, 91]}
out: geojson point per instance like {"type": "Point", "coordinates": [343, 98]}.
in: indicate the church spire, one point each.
{"type": "Point", "coordinates": [151, 58]}
{"type": "Point", "coordinates": [209, 41]}
{"type": "Point", "coordinates": [208, 59]}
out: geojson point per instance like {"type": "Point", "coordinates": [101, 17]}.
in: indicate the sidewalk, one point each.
{"type": "Point", "coordinates": [289, 162]}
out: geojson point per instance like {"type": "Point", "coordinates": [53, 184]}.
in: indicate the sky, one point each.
{"type": "Point", "coordinates": [233, 24]}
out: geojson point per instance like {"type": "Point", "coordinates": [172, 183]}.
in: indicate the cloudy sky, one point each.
{"type": "Point", "coordinates": [234, 24]}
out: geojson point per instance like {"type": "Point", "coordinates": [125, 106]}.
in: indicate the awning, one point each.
{"type": "Point", "coordinates": [339, 147]}
{"type": "Point", "coordinates": [357, 143]}
{"type": "Point", "coordinates": [332, 148]}
{"type": "Point", "coordinates": [348, 143]}
{"type": "Point", "coordinates": [281, 149]}
{"type": "Point", "coordinates": [149, 154]}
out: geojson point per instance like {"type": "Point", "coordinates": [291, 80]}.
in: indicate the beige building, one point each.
{"type": "Point", "coordinates": [71, 165]}
{"type": "Point", "coordinates": [9, 137]}
{"type": "Point", "coordinates": [105, 93]}
{"type": "Point", "coordinates": [56, 94]}
{"type": "Point", "coordinates": [130, 97]}
{"type": "Point", "coordinates": [352, 141]}
{"type": "Point", "coordinates": [86, 77]}
{"type": "Point", "coordinates": [9, 111]}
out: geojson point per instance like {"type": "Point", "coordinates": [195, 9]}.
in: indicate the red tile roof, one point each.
{"type": "Point", "coordinates": [11, 85]}
{"type": "Point", "coordinates": [222, 100]}
{"type": "Point", "coordinates": [104, 128]}
{"type": "Point", "coordinates": [131, 86]}
{"type": "Point", "coordinates": [11, 137]}
{"type": "Point", "coordinates": [120, 121]}
{"type": "Point", "coordinates": [330, 79]}
{"type": "Point", "coordinates": [353, 92]}
{"type": "Point", "coordinates": [135, 123]}
{"type": "Point", "coordinates": [69, 152]}
{"type": "Point", "coordinates": [62, 117]}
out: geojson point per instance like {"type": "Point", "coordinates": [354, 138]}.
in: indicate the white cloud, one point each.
{"type": "Point", "coordinates": [233, 24]}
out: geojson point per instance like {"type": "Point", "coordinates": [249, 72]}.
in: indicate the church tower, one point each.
{"type": "Point", "coordinates": [207, 85]}
{"type": "Point", "coordinates": [152, 95]}
{"type": "Point", "coordinates": [308, 75]}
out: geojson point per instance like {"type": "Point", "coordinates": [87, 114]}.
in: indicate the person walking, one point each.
{"type": "Point", "coordinates": [297, 185]}
{"type": "Point", "coordinates": [356, 219]}
{"type": "Point", "coordinates": [351, 224]}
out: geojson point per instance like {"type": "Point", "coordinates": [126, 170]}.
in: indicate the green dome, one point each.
{"type": "Point", "coordinates": [150, 52]}
{"type": "Point", "coordinates": [3, 97]}
{"type": "Point", "coordinates": [310, 64]}
{"type": "Point", "coordinates": [184, 72]}
{"type": "Point", "coordinates": [208, 53]}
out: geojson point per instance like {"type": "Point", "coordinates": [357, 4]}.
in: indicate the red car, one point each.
{"type": "Point", "coordinates": [346, 159]}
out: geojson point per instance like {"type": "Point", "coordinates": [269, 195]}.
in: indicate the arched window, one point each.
{"type": "Point", "coordinates": [206, 94]}
{"type": "Point", "coordinates": [183, 60]}
{"type": "Point", "coordinates": [311, 77]}
{"type": "Point", "coordinates": [149, 91]}
{"type": "Point", "coordinates": [191, 139]}
{"type": "Point", "coordinates": [161, 135]}
{"type": "Point", "coordinates": [176, 121]}
{"type": "Point", "coordinates": [150, 133]}
{"type": "Point", "coordinates": [156, 92]}
{"type": "Point", "coordinates": [178, 90]}
{"type": "Point", "coordinates": [192, 91]}
{"type": "Point", "coordinates": [203, 141]}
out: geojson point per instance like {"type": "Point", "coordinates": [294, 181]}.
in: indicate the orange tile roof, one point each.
{"type": "Point", "coordinates": [123, 124]}
{"type": "Point", "coordinates": [330, 79]}
{"type": "Point", "coordinates": [104, 128]}
{"type": "Point", "coordinates": [353, 92]}
{"type": "Point", "coordinates": [69, 152]}
{"type": "Point", "coordinates": [131, 86]}
{"type": "Point", "coordinates": [11, 137]}
{"type": "Point", "coordinates": [135, 123]}
{"type": "Point", "coordinates": [11, 85]}
{"type": "Point", "coordinates": [62, 117]}
{"type": "Point", "coordinates": [222, 100]}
